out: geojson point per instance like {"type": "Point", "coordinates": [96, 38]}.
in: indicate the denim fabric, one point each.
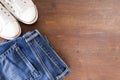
{"type": "Point", "coordinates": [30, 57]}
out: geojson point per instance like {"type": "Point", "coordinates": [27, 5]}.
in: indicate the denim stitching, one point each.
{"type": "Point", "coordinates": [53, 60]}
{"type": "Point", "coordinates": [49, 56]}
{"type": "Point", "coordinates": [7, 52]}
{"type": "Point", "coordinates": [33, 70]}
{"type": "Point", "coordinates": [40, 61]}
{"type": "Point", "coordinates": [27, 38]}
{"type": "Point", "coordinates": [63, 74]}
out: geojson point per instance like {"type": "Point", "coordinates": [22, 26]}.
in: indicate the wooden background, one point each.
{"type": "Point", "coordinates": [85, 33]}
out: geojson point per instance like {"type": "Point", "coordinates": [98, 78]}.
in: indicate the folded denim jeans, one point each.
{"type": "Point", "coordinates": [30, 57]}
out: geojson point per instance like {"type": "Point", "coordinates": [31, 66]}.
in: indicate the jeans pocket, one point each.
{"type": "Point", "coordinates": [14, 65]}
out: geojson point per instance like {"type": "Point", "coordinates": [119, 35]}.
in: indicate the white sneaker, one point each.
{"type": "Point", "coordinates": [24, 10]}
{"type": "Point", "coordinates": [9, 27]}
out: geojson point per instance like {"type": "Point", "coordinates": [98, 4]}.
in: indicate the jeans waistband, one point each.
{"type": "Point", "coordinates": [31, 35]}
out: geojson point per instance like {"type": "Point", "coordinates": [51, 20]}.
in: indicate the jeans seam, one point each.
{"type": "Point", "coordinates": [62, 74]}
{"type": "Point", "coordinates": [47, 54]}
{"type": "Point", "coordinates": [34, 72]}
{"type": "Point", "coordinates": [41, 61]}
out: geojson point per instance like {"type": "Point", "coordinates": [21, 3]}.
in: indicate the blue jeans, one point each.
{"type": "Point", "coordinates": [30, 57]}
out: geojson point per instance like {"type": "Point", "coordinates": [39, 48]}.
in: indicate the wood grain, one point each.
{"type": "Point", "coordinates": [85, 33]}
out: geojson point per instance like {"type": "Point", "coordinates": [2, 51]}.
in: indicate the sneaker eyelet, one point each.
{"type": "Point", "coordinates": [5, 12]}
{"type": "Point", "coordinates": [1, 8]}
{"type": "Point", "coordinates": [25, 2]}
{"type": "Point", "coordinates": [7, 3]}
{"type": "Point", "coordinates": [13, 10]}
